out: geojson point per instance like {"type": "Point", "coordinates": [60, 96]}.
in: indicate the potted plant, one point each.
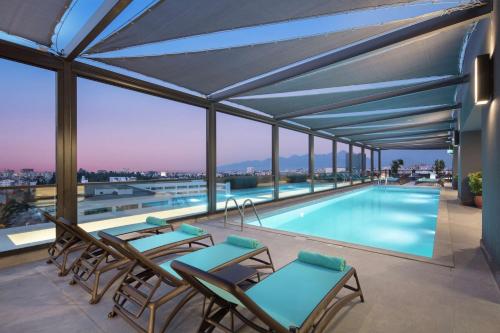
{"type": "Point", "coordinates": [476, 187]}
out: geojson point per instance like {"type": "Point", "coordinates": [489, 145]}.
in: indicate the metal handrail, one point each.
{"type": "Point", "coordinates": [242, 216]}
{"type": "Point", "coordinates": [243, 206]}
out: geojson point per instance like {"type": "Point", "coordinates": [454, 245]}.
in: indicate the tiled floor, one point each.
{"type": "Point", "coordinates": [401, 295]}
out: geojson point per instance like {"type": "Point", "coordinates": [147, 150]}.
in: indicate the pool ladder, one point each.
{"type": "Point", "coordinates": [241, 211]}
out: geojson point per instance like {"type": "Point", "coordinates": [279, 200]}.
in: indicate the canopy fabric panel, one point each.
{"type": "Point", "coordinates": [279, 106]}
{"type": "Point", "coordinates": [393, 123]}
{"type": "Point", "coordinates": [34, 20]}
{"type": "Point", "coordinates": [440, 96]}
{"type": "Point", "coordinates": [170, 19]}
{"type": "Point", "coordinates": [208, 71]}
{"type": "Point", "coordinates": [385, 133]}
{"type": "Point", "coordinates": [434, 54]}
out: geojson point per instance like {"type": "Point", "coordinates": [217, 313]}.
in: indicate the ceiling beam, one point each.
{"type": "Point", "coordinates": [399, 135]}
{"type": "Point", "coordinates": [395, 140]}
{"type": "Point", "coordinates": [423, 147]}
{"type": "Point", "coordinates": [450, 81]}
{"type": "Point", "coordinates": [418, 29]}
{"type": "Point", "coordinates": [395, 128]}
{"type": "Point", "coordinates": [396, 115]}
{"type": "Point", "coordinates": [30, 56]}
{"type": "Point", "coordinates": [103, 16]}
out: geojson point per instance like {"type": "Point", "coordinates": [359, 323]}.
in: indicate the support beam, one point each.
{"type": "Point", "coordinates": [363, 162]}
{"type": "Point", "coordinates": [393, 140]}
{"type": "Point", "coordinates": [388, 129]}
{"type": "Point", "coordinates": [66, 182]}
{"type": "Point", "coordinates": [451, 81]}
{"type": "Point", "coordinates": [399, 135]}
{"type": "Point", "coordinates": [211, 159]}
{"type": "Point", "coordinates": [419, 112]}
{"type": "Point", "coordinates": [276, 160]}
{"type": "Point", "coordinates": [29, 56]}
{"type": "Point", "coordinates": [104, 15]}
{"type": "Point", "coordinates": [434, 24]}
{"type": "Point", "coordinates": [311, 161]}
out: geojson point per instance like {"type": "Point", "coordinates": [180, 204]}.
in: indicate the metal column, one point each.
{"type": "Point", "coordinates": [363, 164]}
{"type": "Point", "coordinates": [349, 159]}
{"type": "Point", "coordinates": [311, 161]}
{"type": "Point", "coordinates": [275, 160]}
{"type": "Point", "coordinates": [334, 162]}
{"type": "Point", "coordinates": [66, 144]}
{"type": "Point", "coordinates": [379, 162]}
{"type": "Point", "coordinates": [211, 159]}
{"type": "Point", "coordinates": [371, 164]}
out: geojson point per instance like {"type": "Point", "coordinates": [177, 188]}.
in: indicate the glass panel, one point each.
{"type": "Point", "coordinates": [244, 162]}
{"type": "Point", "coordinates": [27, 159]}
{"type": "Point", "coordinates": [323, 165]}
{"type": "Point", "coordinates": [357, 160]}
{"type": "Point", "coordinates": [294, 163]}
{"type": "Point", "coordinates": [343, 177]}
{"type": "Point", "coordinates": [138, 155]}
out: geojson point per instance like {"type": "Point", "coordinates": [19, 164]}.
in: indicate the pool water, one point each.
{"type": "Point", "coordinates": [400, 219]}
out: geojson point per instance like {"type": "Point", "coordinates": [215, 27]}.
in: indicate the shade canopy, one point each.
{"type": "Point", "coordinates": [34, 20]}
{"type": "Point", "coordinates": [209, 71]}
{"type": "Point", "coordinates": [170, 19]}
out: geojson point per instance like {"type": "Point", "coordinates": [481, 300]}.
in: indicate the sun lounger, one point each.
{"type": "Point", "coordinates": [300, 297]}
{"type": "Point", "coordinates": [99, 258]}
{"type": "Point", "coordinates": [68, 242]}
{"type": "Point", "coordinates": [140, 287]}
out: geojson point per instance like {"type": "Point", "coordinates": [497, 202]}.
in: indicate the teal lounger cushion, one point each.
{"type": "Point", "coordinates": [319, 259]}
{"type": "Point", "coordinates": [192, 230]}
{"type": "Point", "coordinates": [290, 294]}
{"type": "Point", "coordinates": [156, 221]}
{"type": "Point", "coordinates": [209, 258]}
{"type": "Point", "coordinates": [124, 229]}
{"type": "Point", "coordinates": [156, 241]}
{"type": "Point", "coordinates": [243, 242]}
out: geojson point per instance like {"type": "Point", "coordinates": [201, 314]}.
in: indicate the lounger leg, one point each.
{"type": "Point", "coordinates": [151, 321]}
{"type": "Point", "coordinates": [359, 287]}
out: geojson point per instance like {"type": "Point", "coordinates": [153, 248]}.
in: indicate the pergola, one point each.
{"type": "Point", "coordinates": [390, 85]}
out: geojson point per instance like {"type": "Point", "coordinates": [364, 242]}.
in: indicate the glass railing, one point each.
{"type": "Point", "coordinates": [21, 221]}
{"type": "Point", "coordinates": [293, 184]}
{"type": "Point", "coordinates": [323, 181]}
{"type": "Point", "coordinates": [258, 188]}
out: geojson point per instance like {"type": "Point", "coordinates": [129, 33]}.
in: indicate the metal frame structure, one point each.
{"type": "Point", "coordinates": [68, 70]}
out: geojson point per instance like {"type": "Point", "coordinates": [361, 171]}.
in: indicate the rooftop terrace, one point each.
{"type": "Point", "coordinates": [362, 130]}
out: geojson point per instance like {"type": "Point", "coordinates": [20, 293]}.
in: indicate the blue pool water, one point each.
{"type": "Point", "coordinates": [391, 218]}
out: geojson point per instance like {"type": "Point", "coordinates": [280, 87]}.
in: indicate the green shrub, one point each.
{"type": "Point", "coordinates": [296, 178]}
{"type": "Point", "coordinates": [243, 182]}
{"type": "Point", "coordinates": [476, 182]}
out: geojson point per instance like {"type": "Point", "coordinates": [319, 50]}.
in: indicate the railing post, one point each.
{"type": "Point", "coordinates": [211, 159]}
{"type": "Point", "coordinates": [311, 161]}
{"type": "Point", "coordinates": [66, 179]}
{"type": "Point", "coordinates": [275, 160]}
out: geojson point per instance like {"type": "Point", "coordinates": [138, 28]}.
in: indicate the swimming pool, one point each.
{"type": "Point", "coordinates": [400, 219]}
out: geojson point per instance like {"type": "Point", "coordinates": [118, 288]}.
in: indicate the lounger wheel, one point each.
{"type": "Point", "coordinates": [61, 274]}
{"type": "Point", "coordinates": [93, 301]}
{"type": "Point", "coordinates": [111, 314]}
{"type": "Point", "coordinates": [49, 261]}
{"type": "Point", "coordinates": [72, 282]}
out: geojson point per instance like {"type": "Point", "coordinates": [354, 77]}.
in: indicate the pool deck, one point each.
{"type": "Point", "coordinates": [402, 295]}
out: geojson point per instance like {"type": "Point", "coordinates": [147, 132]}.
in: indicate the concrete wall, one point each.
{"type": "Point", "coordinates": [491, 150]}
{"type": "Point", "coordinates": [469, 160]}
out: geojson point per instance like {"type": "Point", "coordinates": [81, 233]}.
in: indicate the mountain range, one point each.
{"type": "Point", "coordinates": [410, 157]}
